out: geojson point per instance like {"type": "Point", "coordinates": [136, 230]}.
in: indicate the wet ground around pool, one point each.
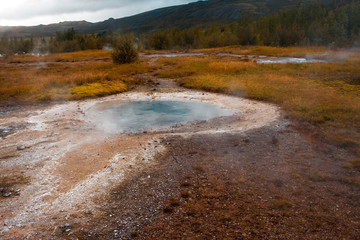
{"type": "Point", "coordinates": [261, 59]}
{"type": "Point", "coordinates": [270, 59]}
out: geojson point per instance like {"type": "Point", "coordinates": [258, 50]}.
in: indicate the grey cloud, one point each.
{"type": "Point", "coordinates": [36, 8]}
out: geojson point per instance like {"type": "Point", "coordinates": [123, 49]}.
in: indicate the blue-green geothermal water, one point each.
{"type": "Point", "coordinates": [135, 116]}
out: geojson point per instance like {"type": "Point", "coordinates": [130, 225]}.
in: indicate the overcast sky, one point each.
{"type": "Point", "coordinates": [35, 12]}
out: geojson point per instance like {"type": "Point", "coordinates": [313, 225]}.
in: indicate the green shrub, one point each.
{"type": "Point", "coordinates": [125, 52]}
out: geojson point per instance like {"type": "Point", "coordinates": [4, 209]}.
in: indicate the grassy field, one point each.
{"type": "Point", "coordinates": [272, 51]}
{"type": "Point", "coordinates": [317, 92]}
{"type": "Point", "coordinates": [65, 76]}
{"type": "Point", "coordinates": [326, 94]}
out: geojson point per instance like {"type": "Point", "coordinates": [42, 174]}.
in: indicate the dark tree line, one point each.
{"type": "Point", "coordinates": [70, 41]}
{"type": "Point", "coordinates": [14, 45]}
{"type": "Point", "coordinates": [336, 23]}
{"type": "Point", "coordinates": [67, 41]}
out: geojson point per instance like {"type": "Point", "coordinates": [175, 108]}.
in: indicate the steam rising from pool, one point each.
{"type": "Point", "coordinates": [137, 116]}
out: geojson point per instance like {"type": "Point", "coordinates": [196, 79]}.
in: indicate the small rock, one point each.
{"type": "Point", "coordinates": [67, 225]}
{"type": "Point", "coordinates": [21, 147]}
{"type": "Point", "coordinates": [7, 194]}
{"type": "Point", "coordinates": [88, 212]}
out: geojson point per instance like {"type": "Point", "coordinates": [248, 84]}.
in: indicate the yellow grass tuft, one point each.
{"type": "Point", "coordinates": [98, 89]}
{"type": "Point", "coordinates": [231, 66]}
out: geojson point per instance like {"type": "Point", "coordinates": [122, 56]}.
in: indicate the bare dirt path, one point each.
{"type": "Point", "coordinates": [60, 164]}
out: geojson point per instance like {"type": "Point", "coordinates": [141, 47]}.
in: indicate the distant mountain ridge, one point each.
{"type": "Point", "coordinates": [182, 16]}
{"type": "Point", "coordinates": [44, 30]}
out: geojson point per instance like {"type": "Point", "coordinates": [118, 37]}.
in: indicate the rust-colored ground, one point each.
{"type": "Point", "coordinates": [269, 183]}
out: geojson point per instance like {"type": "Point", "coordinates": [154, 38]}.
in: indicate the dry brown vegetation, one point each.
{"type": "Point", "coordinates": [65, 76]}
{"type": "Point", "coordinates": [325, 93]}
{"type": "Point", "coordinates": [271, 51]}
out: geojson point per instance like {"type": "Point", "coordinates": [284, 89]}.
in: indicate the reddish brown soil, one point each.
{"type": "Point", "coordinates": [270, 183]}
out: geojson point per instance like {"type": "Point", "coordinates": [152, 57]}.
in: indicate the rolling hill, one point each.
{"type": "Point", "coordinates": [182, 16]}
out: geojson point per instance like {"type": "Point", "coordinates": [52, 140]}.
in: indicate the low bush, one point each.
{"type": "Point", "coordinates": [125, 52]}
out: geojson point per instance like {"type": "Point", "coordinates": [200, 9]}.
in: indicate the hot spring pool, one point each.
{"type": "Point", "coordinates": [136, 116]}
